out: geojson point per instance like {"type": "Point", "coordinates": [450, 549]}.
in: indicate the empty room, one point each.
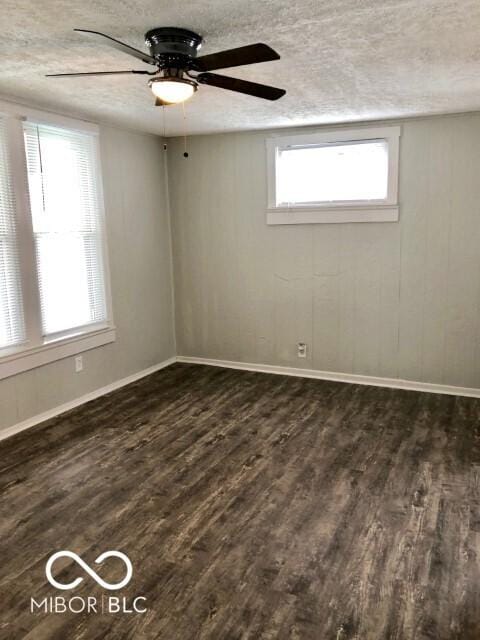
{"type": "Point", "coordinates": [240, 320]}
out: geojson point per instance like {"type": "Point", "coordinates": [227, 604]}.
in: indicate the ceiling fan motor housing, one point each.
{"type": "Point", "coordinates": [170, 44]}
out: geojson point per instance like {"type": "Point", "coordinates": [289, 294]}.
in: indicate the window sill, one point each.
{"type": "Point", "coordinates": [26, 359]}
{"type": "Point", "coordinates": [332, 215]}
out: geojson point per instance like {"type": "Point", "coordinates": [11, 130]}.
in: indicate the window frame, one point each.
{"type": "Point", "coordinates": [39, 350]}
{"type": "Point", "coordinates": [385, 210]}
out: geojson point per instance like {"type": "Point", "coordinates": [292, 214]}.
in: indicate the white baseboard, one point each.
{"type": "Point", "coordinates": [52, 413]}
{"type": "Point", "coordinates": [394, 383]}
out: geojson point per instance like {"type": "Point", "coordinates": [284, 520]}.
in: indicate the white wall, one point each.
{"type": "Point", "coordinates": [140, 264]}
{"type": "Point", "coordinates": [392, 299]}
{"type": "Point", "coordinates": [385, 299]}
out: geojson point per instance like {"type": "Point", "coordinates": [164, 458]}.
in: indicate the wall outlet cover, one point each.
{"type": "Point", "coordinates": [302, 349]}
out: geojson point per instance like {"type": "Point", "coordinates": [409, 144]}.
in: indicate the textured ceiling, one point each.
{"type": "Point", "coordinates": [342, 60]}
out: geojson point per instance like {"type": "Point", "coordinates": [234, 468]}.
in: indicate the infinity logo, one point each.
{"type": "Point", "coordinates": [87, 569]}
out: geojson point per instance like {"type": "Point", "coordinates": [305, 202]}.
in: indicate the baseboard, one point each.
{"type": "Point", "coordinates": [394, 383]}
{"type": "Point", "coordinates": [52, 413]}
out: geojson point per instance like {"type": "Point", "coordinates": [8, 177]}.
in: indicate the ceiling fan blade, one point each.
{"type": "Point", "coordinates": [95, 73]}
{"type": "Point", "coordinates": [241, 86]}
{"type": "Point", "coordinates": [236, 57]}
{"type": "Point", "coordinates": [161, 103]}
{"type": "Point", "coordinates": [121, 46]}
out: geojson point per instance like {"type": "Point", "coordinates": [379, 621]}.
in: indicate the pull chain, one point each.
{"type": "Point", "coordinates": [185, 152]}
{"type": "Point", "coordinates": [164, 129]}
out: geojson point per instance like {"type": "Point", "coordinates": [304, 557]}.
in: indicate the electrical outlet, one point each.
{"type": "Point", "coordinates": [78, 364]}
{"type": "Point", "coordinates": [301, 349]}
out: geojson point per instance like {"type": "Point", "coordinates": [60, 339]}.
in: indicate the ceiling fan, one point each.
{"type": "Point", "coordinates": [178, 73]}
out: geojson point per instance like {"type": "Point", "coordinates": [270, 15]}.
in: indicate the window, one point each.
{"type": "Point", "coordinates": [12, 327]}
{"type": "Point", "coordinates": [66, 227]}
{"type": "Point", "coordinates": [54, 296]}
{"type": "Point", "coordinates": [340, 176]}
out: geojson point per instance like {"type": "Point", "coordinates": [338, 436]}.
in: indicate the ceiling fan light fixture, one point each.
{"type": "Point", "coordinates": [172, 90]}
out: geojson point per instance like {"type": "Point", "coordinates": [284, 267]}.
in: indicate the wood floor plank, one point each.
{"type": "Point", "coordinates": [252, 506]}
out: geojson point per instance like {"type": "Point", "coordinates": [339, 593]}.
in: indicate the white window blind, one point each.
{"type": "Point", "coordinates": [12, 328]}
{"type": "Point", "coordinates": [66, 218]}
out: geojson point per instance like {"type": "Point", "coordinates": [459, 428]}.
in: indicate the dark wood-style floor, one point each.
{"type": "Point", "coordinates": [251, 506]}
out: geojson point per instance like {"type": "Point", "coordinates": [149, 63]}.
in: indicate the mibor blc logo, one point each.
{"type": "Point", "coordinates": [86, 568]}
{"type": "Point", "coordinates": [89, 604]}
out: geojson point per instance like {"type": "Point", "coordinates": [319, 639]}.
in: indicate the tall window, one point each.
{"type": "Point", "coordinates": [66, 226]}
{"type": "Point", "coordinates": [12, 327]}
{"type": "Point", "coordinates": [53, 287]}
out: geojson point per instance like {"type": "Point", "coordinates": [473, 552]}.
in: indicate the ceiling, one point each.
{"type": "Point", "coordinates": [342, 60]}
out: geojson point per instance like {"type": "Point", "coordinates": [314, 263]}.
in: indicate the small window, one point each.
{"type": "Point", "coordinates": [341, 176]}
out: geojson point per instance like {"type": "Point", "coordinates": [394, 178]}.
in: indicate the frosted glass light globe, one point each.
{"type": "Point", "coordinates": [173, 90]}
